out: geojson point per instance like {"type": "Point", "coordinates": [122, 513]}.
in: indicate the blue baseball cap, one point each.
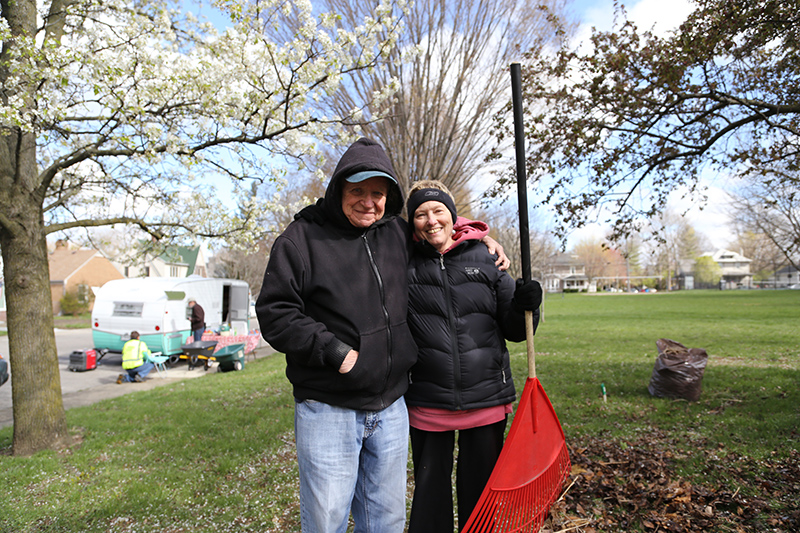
{"type": "Point", "coordinates": [358, 177]}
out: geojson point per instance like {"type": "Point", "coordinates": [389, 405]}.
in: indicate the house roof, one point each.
{"type": "Point", "coordinates": [565, 259]}
{"type": "Point", "coordinates": [188, 256]}
{"type": "Point", "coordinates": [727, 256]}
{"type": "Point", "coordinates": [64, 262]}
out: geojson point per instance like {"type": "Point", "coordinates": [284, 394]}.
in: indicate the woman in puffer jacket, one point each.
{"type": "Point", "coordinates": [461, 310]}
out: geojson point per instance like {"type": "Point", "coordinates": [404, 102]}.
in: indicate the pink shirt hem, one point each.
{"type": "Point", "coordinates": [433, 419]}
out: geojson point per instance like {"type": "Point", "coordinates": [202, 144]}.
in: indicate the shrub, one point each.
{"type": "Point", "coordinates": [71, 305]}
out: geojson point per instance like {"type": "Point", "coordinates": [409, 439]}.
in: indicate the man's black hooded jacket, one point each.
{"type": "Point", "coordinates": [330, 286]}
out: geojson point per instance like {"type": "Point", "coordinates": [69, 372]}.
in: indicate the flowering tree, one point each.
{"type": "Point", "coordinates": [119, 112]}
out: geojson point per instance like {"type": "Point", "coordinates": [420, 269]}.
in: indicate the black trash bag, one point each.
{"type": "Point", "coordinates": [678, 372]}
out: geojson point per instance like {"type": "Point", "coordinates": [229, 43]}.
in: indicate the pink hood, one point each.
{"type": "Point", "coordinates": [464, 230]}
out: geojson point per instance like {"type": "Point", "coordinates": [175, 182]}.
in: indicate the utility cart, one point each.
{"type": "Point", "coordinates": [230, 357]}
{"type": "Point", "coordinates": [198, 351]}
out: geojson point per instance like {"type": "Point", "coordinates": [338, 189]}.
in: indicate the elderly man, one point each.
{"type": "Point", "coordinates": [334, 300]}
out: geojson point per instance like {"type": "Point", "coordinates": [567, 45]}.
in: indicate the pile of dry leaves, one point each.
{"type": "Point", "coordinates": [633, 486]}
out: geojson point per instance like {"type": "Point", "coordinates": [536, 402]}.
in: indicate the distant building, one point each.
{"type": "Point", "coordinates": [565, 272]}
{"type": "Point", "coordinates": [735, 269]}
{"type": "Point", "coordinates": [176, 262]}
{"type": "Point", "coordinates": [76, 271]}
{"type": "Point", "coordinates": [786, 276]}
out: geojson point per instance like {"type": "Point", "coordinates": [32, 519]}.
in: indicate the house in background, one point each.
{"type": "Point", "coordinates": [786, 276]}
{"type": "Point", "coordinates": [77, 270]}
{"type": "Point", "coordinates": [565, 272]}
{"type": "Point", "coordinates": [735, 269]}
{"type": "Point", "coordinates": [176, 262]}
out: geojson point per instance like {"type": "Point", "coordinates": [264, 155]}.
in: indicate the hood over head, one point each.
{"type": "Point", "coordinates": [364, 159]}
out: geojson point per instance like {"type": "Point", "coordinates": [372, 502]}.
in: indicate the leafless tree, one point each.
{"type": "Point", "coordinates": [770, 209]}
{"type": "Point", "coordinates": [595, 257]}
{"type": "Point", "coordinates": [504, 226]}
{"type": "Point", "coordinates": [674, 240]}
{"type": "Point", "coordinates": [437, 126]}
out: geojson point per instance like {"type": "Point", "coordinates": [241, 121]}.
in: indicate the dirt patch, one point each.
{"type": "Point", "coordinates": [634, 486]}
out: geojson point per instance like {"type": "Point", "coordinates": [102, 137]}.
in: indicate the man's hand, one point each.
{"type": "Point", "coordinates": [503, 262]}
{"type": "Point", "coordinates": [349, 362]}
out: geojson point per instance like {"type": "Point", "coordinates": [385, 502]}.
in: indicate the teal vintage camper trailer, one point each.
{"type": "Point", "coordinates": [158, 309]}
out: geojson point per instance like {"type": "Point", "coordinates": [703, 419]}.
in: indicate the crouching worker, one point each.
{"type": "Point", "coordinates": [136, 359]}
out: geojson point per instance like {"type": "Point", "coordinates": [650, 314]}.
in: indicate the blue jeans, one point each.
{"type": "Point", "coordinates": [198, 334]}
{"type": "Point", "coordinates": [352, 461]}
{"type": "Point", "coordinates": [143, 370]}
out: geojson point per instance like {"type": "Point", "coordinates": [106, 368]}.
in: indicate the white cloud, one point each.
{"type": "Point", "coordinates": [655, 15]}
{"type": "Point", "coordinates": [660, 16]}
{"type": "Point", "coordinates": [649, 15]}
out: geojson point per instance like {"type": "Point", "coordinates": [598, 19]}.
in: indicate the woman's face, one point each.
{"type": "Point", "coordinates": [434, 223]}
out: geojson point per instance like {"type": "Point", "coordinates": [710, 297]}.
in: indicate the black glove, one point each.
{"type": "Point", "coordinates": [527, 296]}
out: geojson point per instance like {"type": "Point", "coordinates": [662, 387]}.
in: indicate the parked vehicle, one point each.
{"type": "Point", "coordinates": [3, 370]}
{"type": "Point", "coordinates": [158, 309]}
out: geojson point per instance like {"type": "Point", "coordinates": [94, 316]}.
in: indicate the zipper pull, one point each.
{"type": "Point", "coordinates": [441, 261]}
{"type": "Point", "coordinates": [504, 376]}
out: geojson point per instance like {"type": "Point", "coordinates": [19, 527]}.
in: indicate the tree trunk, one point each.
{"type": "Point", "coordinates": [39, 417]}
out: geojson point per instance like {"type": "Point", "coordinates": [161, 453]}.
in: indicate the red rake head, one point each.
{"type": "Point", "coordinates": [529, 472]}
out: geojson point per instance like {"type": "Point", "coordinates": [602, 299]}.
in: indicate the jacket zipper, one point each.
{"type": "Point", "coordinates": [453, 335]}
{"type": "Point", "coordinates": [382, 292]}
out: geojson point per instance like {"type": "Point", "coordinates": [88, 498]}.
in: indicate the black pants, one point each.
{"type": "Point", "coordinates": [432, 452]}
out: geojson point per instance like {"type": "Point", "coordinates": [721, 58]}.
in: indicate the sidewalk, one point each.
{"type": "Point", "coordinates": [110, 389]}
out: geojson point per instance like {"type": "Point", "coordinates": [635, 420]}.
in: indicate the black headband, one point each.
{"type": "Point", "coordinates": [421, 196]}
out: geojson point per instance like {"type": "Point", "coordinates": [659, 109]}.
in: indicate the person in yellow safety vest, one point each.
{"type": "Point", "coordinates": [136, 360]}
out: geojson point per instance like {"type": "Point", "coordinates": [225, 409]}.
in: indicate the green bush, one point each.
{"type": "Point", "coordinates": [71, 305]}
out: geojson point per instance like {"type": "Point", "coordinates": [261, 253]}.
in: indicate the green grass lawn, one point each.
{"type": "Point", "coordinates": [81, 321]}
{"type": "Point", "coordinates": [216, 454]}
{"type": "Point", "coordinates": [750, 399]}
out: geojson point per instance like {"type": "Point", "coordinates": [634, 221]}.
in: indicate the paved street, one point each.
{"type": "Point", "coordinates": [85, 388]}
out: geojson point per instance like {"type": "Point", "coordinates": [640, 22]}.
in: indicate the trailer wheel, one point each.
{"type": "Point", "coordinates": [237, 365]}
{"type": "Point", "coordinates": [173, 359]}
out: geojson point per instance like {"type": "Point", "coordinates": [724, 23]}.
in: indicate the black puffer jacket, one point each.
{"type": "Point", "coordinates": [460, 312]}
{"type": "Point", "coordinates": [330, 287]}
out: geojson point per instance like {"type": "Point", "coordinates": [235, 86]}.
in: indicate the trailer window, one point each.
{"type": "Point", "coordinates": [128, 309]}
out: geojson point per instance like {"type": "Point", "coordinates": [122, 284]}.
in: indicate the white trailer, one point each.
{"type": "Point", "coordinates": [158, 309]}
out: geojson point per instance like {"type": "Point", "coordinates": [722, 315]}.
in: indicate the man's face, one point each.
{"type": "Point", "coordinates": [364, 203]}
